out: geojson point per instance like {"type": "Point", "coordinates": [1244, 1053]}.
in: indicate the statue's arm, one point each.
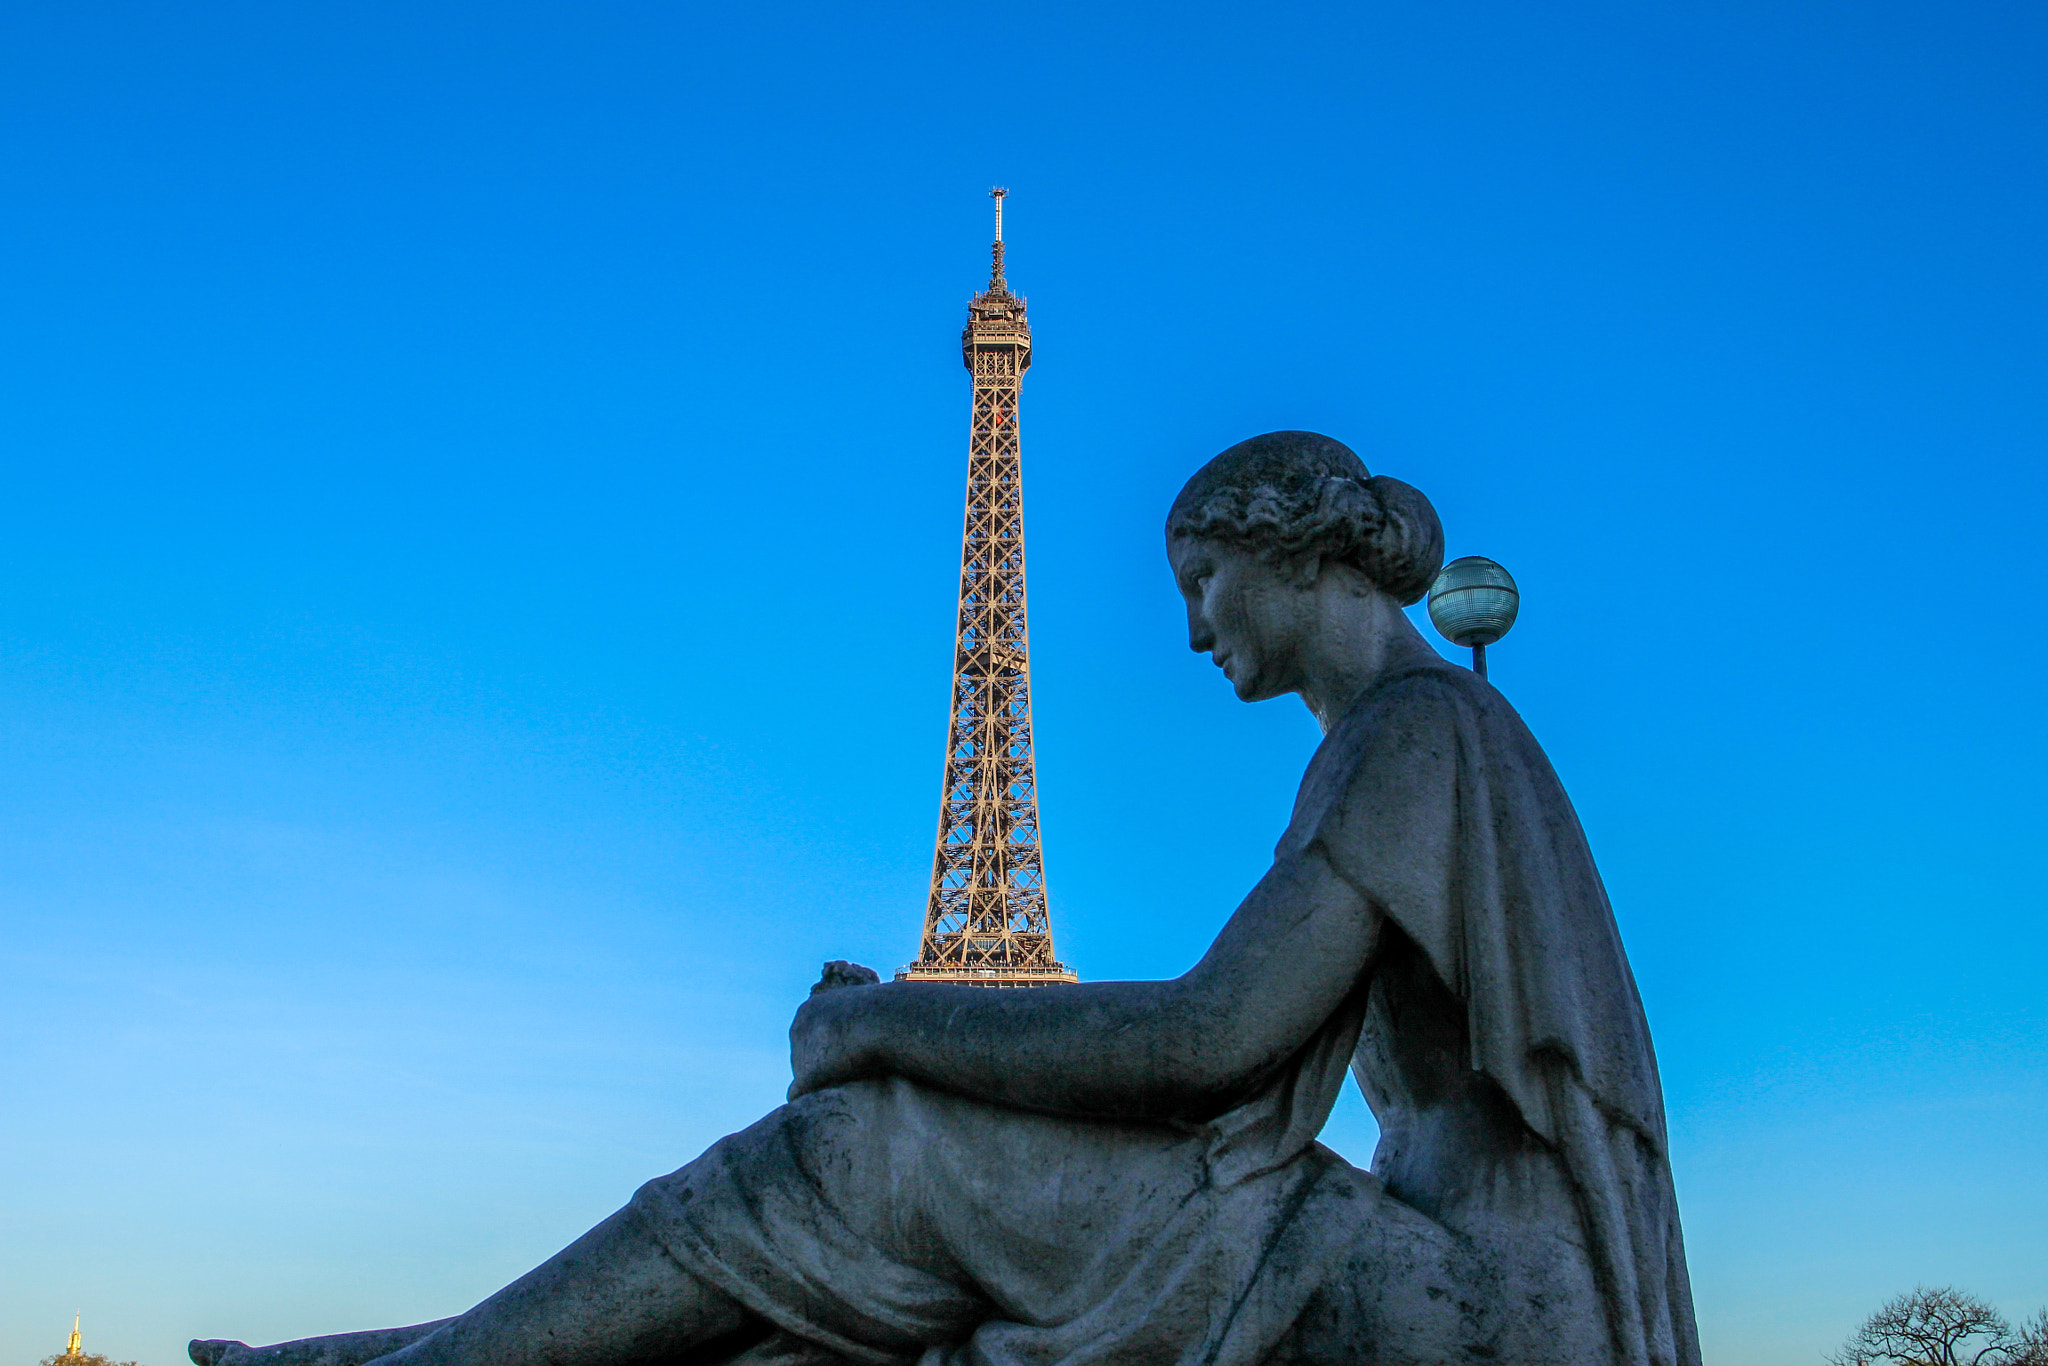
{"type": "Point", "coordinates": [1186, 1048]}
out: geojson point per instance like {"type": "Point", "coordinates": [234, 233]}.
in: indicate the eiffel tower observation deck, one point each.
{"type": "Point", "coordinates": [986, 922]}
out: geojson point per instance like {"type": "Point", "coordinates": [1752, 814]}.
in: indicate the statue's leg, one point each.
{"type": "Point", "coordinates": [613, 1297]}
{"type": "Point", "coordinates": [343, 1349]}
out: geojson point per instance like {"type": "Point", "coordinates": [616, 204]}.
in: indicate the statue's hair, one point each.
{"type": "Point", "coordinates": [1292, 496]}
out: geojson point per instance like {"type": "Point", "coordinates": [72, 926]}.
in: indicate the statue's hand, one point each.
{"type": "Point", "coordinates": [840, 973]}
{"type": "Point", "coordinates": [828, 1038]}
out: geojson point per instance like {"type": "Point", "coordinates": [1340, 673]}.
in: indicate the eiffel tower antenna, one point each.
{"type": "Point", "coordinates": [995, 274]}
{"type": "Point", "coordinates": [986, 922]}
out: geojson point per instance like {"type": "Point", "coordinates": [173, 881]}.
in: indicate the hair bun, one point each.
{"type": "Point", "coordinates": [1290, 496]}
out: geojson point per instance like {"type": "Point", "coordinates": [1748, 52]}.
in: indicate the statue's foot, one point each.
{"type": "Point", "coordinates": [217, 1351]}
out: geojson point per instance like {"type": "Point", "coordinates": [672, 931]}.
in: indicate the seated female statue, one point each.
{"type": "Point", "coordinates": [1126, 1173]}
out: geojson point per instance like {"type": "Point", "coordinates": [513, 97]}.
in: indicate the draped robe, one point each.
{"type": "Point", "coordinates": [1520, 1208]}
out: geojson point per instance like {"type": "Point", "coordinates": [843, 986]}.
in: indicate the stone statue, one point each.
{"type": "Point", "coordinates": [1126, 1173]}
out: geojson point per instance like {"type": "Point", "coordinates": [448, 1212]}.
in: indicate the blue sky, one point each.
{"type": "Point", "coordinates": [480, 521]}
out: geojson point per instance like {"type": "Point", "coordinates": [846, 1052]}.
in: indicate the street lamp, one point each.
{"type": "Point", "coordinates": [1473, 602]}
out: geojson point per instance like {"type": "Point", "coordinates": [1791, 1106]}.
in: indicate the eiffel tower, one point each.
{"type": "Point", "coordinates": [986, 922]}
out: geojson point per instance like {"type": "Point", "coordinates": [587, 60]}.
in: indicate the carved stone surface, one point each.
{"type": "Point", "coordinates": [1126, 1172]}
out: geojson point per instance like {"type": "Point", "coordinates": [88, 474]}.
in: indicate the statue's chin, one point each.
{"type": "Point", "coordinates": [1251, 689]}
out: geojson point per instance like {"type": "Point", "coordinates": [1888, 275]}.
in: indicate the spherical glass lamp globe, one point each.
{"type": "Point", "coordinates": [1473, 602]}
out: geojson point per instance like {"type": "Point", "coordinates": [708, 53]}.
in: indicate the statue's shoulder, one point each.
{"type": "Point", "coordinates": [1407, 706]}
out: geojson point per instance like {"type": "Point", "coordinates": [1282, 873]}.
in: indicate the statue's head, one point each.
{"type": "Point", "coordinates": [1269, 534]}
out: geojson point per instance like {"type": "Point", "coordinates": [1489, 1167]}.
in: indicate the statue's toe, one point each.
{"type": "Point", "coordinates": [213, 1351]}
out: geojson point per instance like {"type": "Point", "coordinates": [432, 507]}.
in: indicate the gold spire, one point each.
{"type": "Point", "coordinates": [71, 1347]}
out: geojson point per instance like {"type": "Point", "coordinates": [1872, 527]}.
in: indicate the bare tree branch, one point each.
{"type": "Point", "coordinates": [1943, 1326]}
{"type": "Point", "coordinates": [2031, 1341]}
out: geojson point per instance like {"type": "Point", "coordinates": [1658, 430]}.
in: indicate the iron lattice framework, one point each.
{"type": "Point", "coordinates": [986, 923]}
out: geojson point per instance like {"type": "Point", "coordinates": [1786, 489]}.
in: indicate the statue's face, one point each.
{"type": "Point", "coordinates": [1245, 614]}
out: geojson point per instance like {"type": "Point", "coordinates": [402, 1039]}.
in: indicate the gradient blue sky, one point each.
{"type": "Point", "coordinates": [479, 531]}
